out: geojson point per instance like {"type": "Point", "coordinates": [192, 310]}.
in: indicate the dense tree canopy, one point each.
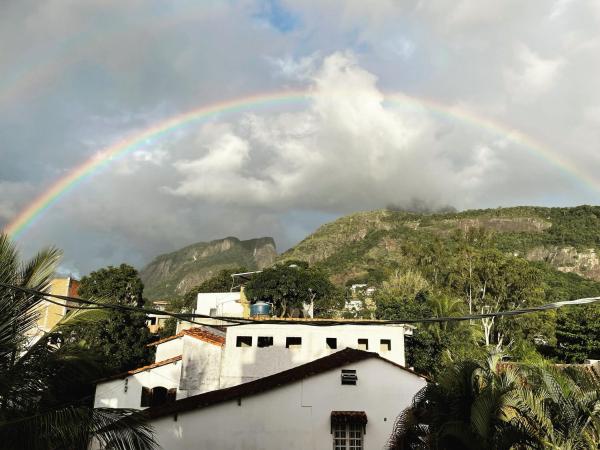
{"type": "Point", "coordinates": [117, 284]}
{"type": "Point", "coordinates": [119, 336]}
{"type": "Point", "coordinates": [493, 405]}
{"type": "Point", "coordinates": [291, 286]}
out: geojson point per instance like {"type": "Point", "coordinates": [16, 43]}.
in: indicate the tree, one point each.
{"type": "Point", "coordinates": [495, 405]}
{"type": "Point", "coordinates": [119, 284]}
{"type": "Point", "coordinates": [434, 345]}
{"type": "Point", "coordinates": [290, 286]}
{"type": "Point", "coordinates": [491, 281]}
{"type": "Point", "coordinates": [578, 334]}
{"type": "Point", "coordinates": [221, 282]}
{"type": "Point", "coordinates": [120, 336]}
{"type": "Point", "coordinates": [39, 383]}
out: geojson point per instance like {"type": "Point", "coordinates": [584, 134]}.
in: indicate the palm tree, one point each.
{"type": "Point", "coordinates": [468, 408]}
{"type": "Point", "coordinates": [561, 406]}
{"type": "Point", "coordinates": [502, 406]}
{"type": "Point", "coordinates": [36, 410]}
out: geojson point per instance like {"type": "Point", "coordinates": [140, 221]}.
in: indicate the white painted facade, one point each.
{"type": "Point", "coordinates": [201, 368]}
{"type": "Point", "coordinates": [126, 392]}
{"type": "Point", "coordinates": [296, 415]}
{"type": "Point", "coordinates": [206, 366]}
{"type": "Point", "coordinates": [169, 349]}
{"type": "Point", "coordinates": [242, 364]}
{"type": "Point", "coordinates": [225, 304]}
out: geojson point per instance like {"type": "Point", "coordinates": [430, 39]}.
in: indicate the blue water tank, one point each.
{"type": "Point", "coordinates": [260, 309]}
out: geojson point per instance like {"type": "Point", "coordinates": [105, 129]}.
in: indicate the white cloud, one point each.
{"type": "Point", "coordinates": [80, 76]}
{"type": "Point", "coordinates": [533, 76]}
{"type": "Point", "coordinates": [348, 150]}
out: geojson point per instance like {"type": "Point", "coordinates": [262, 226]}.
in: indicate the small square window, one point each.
{"type": "Point", "coordinates": [293, 342]}
{"type": "Point", "coordinates": [349, 376]}
{"type": "Point", "coordinates": [243, 341]}
{"type": "Point", "coordinates": [331, 343]}
{"type": "Point", "coordinates": [385, 345]}
{"type": "Point", "coordinates": [363, 344]}
{"type": "Point", "coordinates": [264, 341]}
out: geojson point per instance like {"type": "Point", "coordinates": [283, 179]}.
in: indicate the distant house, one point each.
{"type": "Point", "coordinates": [323, 376]}
{"type": "Point", "coordinates": [156, 322]}
{"type": "Point", "coordinates": [347, 400]}
{"type": "Point", "coordinates": [51, 310]}
{"type": "Point", "coordinates": [207, 358]}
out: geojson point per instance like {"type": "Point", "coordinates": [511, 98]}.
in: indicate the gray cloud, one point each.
{"type": "Point", "coordinates": [78, 76]}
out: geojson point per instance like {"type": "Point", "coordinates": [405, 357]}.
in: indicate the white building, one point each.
{"type": "Point", "coordinates": [347, 400]}
{"type": "Point", "coordinates": [226, 304]}
{"type": "Point", "coordinates": [288, 376]}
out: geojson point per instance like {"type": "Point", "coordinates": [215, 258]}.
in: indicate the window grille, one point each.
{"type": "Point", "coordinates": [349, 376]}
{"type": "Point", "coordinates": [347, 436]}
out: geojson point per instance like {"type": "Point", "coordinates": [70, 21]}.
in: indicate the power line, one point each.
{"type": "Point", "coordinates": [95, 305]}
{"type": "Point", "coordinates": [234, 321]}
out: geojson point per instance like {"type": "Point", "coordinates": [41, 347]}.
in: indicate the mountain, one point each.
{"type": "Point", "coordinates": [175, 273]}
{"type": "Point", "coordinates": [357, 247]}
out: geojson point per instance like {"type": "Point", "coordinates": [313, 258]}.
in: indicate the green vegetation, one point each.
{"type": "Point", "coordinates": [120, 337]}
{"type": "Point", "coordinates": [121, 284]}
{"type": "Point", "coordinates": [495, 405]}
{"type": "Point", "coordinates": [289, 286]}
{"type": "Point", "coordinates": [46, 391]}
{"type": "Point", "coordinates": [481, 260]}
{"type": "Point", "coordinates": [221, 282]}
{"type": "Point", "coordinates": [173, 274]}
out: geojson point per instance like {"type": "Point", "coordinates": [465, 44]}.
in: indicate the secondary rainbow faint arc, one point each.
{"type": "Point", "coordinates": [103, 158]}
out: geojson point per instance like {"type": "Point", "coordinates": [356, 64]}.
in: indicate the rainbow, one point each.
{"type": "Point", "coordinates": [104, 157]}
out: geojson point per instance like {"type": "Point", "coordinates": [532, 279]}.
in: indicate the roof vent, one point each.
{"type": "Point", "coordinates": [349, 376]}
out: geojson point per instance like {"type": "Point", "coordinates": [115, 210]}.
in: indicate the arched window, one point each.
{"type": "Point", "coordinates": [157, 396]}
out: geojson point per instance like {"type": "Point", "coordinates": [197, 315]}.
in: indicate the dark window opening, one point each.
{"type": "Point", "coordinates": [349, 376]}
{"type": "Point", "coordinates": [157, 396]}
{"type": "Point", "coordinates": [363, 344]}
{"type": "Point", "coordinates": [293, 342]}
{"type": "Point", "coordinates": [146, 395]}
{"type": "Point", "coordinates": [265, 341]}
{"type": "Point", "coordinates": [331, 343]}
{"type": "Point", "coordinates": [243, 341]}
{"type": "Point", "coordinates": [152, 320]}
{"type": "Point", "coordinates": [385, 345]}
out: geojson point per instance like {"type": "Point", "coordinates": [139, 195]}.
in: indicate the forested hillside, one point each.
{"type": "Point", "coordinates": [173, 274]}
{"type": "Point", "coordinates": [361, 245]}
{"type": "Point", "coordinates": [473, 261]}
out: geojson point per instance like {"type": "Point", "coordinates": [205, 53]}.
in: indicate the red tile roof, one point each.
{"type": "Point", "coordinates": [164, 362]}
{"type": "Point", "coordinates": [349, 417]}
{"type": "Point", "coordinates": [199, 333]}
{"type": "Point", "coordinates": [267, 383]}
{"type": "Point", "coordinates": [206, 336]}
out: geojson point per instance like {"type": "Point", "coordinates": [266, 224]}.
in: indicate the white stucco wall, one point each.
{"type": "Point", "coordinates": [242, 364]}
{"type": "Point", "coordinates": [201, 367]}
{"type": "Point", "coordinates": [127, 392]}
{"type": "Point", "coordinates": [226, 304]}
{"type": "Point", "coordinates": [296, 416]}
{"type": "Point", "coordinates": [169, 349]}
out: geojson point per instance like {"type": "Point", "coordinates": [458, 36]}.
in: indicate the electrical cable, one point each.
{"type": "Point", "coordinates": [234, 321]}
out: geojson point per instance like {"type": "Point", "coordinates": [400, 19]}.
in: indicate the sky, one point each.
{"type": "Point", "coordinates": [472, 104]}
